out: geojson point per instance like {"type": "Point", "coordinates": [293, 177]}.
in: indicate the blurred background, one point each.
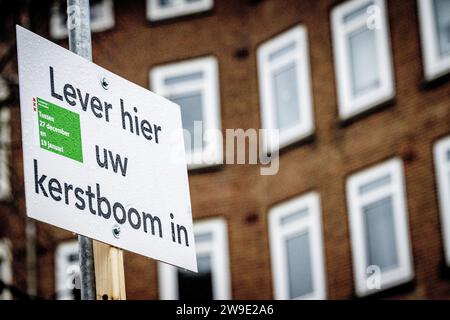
{"type": "Point", "coordinates": [359, 89]}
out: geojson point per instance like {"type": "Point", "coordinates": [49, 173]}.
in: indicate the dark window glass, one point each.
{"type": "Point", "coordinates": [165, 3]}
{"type": "Point", "coordinates": [198, 286]}
{"type": "Point", "coordinates": [73, 257]}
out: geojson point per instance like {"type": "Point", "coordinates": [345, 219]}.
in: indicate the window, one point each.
{"type": "Point", "coordinates": [5, 144]}
{"type": "Point", "coordinates": [442, 165]}
{"type": "Point", "coordinates": [362, 56]}
{"type": "Point", "coordinates": [5, 268]}
{"type": "Point", "coordinates": [194, 85]}
{"type": "Point", "coordinates": [67, 271]}
{"type": "Point", "coordinates": [296, 247]}
{"type": "Point", "coordinates": [285, 85]}
{"type": "Point", "coordinates": [213, 278]}
{"type": "Point", "coordinates": [165, 9]}
{"type": "Point", "coordinates": [101, 15]}
{"type": "Point", "coordinates": [435, 33]}
{"type": "Point", "coordinates": [379, 228]}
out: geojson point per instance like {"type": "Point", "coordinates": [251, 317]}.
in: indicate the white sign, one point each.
{"type": "Point", "coordinates": [99, 155]}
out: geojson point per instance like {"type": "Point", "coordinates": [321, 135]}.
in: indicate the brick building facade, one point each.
{"type": "Point", "coordinates": [397, 132]}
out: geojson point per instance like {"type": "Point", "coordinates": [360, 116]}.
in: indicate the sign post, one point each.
{"type": "Point", "coordinates": [79, 29]}
{"type": "Point", "coordinates": [108, 282]}
{"type": "Point", "coordinates": [103, 158]}
{"type": "Point", "coordinates": [109, 272]}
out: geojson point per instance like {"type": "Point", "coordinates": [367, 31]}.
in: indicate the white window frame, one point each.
{"type": "Point", "coordinates": [350, 106]}
{"type": "Point", "coordinates": [442, 167]}
{"type": "Point", "coordinates": [278, 233]}
{"type": "Point", "coordinates": [300, 56]}
{"type": "Point", "coordinates": [220, 269]}
{"type": "Point", "coordinates": [434, 65]}
{"type": "Point", "coordinates": [5, 146]}
{"type": "Point", "coordinates": [62, 284]}
{"type": "Point", "coordinates": [59, 31]}
{"type": "Point", "coordinates": [356, 202]}
{"type": "Point", "coordinates": [157, 12]}
{"type": "Point", "coordinates": [6, 267]}
{"type": "Point", "coordinates": [212, 152]}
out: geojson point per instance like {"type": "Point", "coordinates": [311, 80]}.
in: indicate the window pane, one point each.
{"type": "Point", "coordinates": [165, 3]}
{"type": "Point", "coordinates": [363, 61]}
{"type": "Point", "coordinates": [362, 10]}
{"type": "Point", "coordinates": [192, 286]}
{"type": "Point", "coordinates": [172, 3]}
{"type": "Point", "coordinates": [381, 244]}
{"type": "Point", "coordinates": [183, 78]}
{"type": "Point", "coordinates": [73, 257]}
{"type": "Point", "coordinates": [191, 110]}
{"type": "Point", "coordinates": [95, 11]}
{"type": "Point", "coordinates": [96, 8]}
{"type": "Point", "coordinates": [282, 51]}
{"type": "Point", "coordinates": [295, 216]}
{"type": "Point", "coordinates": [203, 237]}
{"type": "Point", "coordinates": [299, 265]}
{"type": "Point", "coordinates": [1, 268]}
{"type": "Point", "coordinates": [442, 14]}
{"type": "Point", "coordinates": [285, 86]}
{"type": "Point", "coordinates": [2, 275]}
{"type": "Point", "coordinates": [375, 184]}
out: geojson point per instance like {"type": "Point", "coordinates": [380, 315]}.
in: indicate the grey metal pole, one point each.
{"type": "Point", "coordinates": [78, 25]}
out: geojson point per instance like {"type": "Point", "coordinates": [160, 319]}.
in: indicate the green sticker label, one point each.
{"type": "Point", "coordinates": [59, 130]}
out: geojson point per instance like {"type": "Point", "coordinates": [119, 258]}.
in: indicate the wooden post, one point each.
{"type": "Point", "coordinates": [109, 272]}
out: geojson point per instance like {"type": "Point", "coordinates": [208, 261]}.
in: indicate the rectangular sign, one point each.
{"type": "Point", "coordinates": [103, 157]}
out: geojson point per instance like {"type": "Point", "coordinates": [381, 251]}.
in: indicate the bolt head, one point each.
{"type": "Point", "coordinates": [116, 231]}
{"type": "Point", "coordinates": [105, 83]}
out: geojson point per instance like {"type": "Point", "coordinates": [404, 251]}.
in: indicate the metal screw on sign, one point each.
{"type": "Point", "coordinates": [105, 83]}
{"type": "Point", "coordinates": [116, 231]}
